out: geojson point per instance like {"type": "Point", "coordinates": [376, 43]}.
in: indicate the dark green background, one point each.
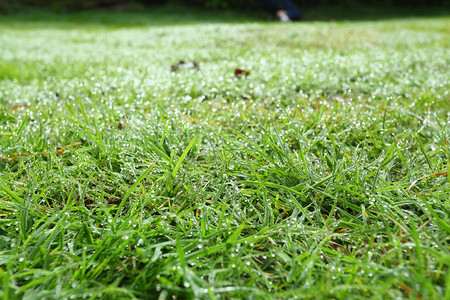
{"type": "Point", "coordinates": [238, 4]}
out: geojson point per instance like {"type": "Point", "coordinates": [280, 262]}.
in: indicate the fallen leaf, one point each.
{"type": "Point", "coordinates": [18, 106]}
{"type": "Point", "coordinates": [241, 72]}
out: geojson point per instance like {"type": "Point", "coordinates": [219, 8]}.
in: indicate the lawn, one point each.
{"type": "Point", "coordinates": [278, 162]}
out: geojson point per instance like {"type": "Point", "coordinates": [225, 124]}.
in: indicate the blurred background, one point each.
{"type": "Point", "coordinates": [13, 5]}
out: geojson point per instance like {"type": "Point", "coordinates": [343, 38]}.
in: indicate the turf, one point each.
{"type": "Point", "coordinates": [122, 177]}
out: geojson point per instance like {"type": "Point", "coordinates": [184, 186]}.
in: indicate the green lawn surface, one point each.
{"type": "Point", "coordinates": [317, 171]}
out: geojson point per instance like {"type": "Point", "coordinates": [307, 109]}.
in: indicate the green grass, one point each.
{"type": "Point", "coordinates": [120, 179]}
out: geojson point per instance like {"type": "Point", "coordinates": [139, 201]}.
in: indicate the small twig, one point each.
{"type": "Point", "coordinates": [67, 147]}
{"type": "Point", "coordinates": [423, 225]}
{"type": "Point", "coordinates": [445, 173]}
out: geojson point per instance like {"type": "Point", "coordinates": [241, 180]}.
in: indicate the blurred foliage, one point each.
{"type": "Point", "coordinates": [79, 4]}
{"type": "Point", "coordinates": [243, 4]}
{"type": "Point", "coordinates": [256, 3]}
{"type": "Point", "coordinates": [372, 2]}
{"type": "Point", "coordinates": [216, 4]}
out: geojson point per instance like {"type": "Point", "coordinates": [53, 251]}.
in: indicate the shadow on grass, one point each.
{"type": "Point", "coordinates": [176, 15]}
{"type": "Point", "coordinates": [153, 16]}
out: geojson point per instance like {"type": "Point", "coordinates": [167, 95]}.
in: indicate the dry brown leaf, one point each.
{"type": "Point", "coordinates": [408, 289]}
{"type": "Point", "coordinates": [445, 173]}
{"type": "Point", "coordinates": [337, 246]}
{"type": "Point", "coordinates": [241, 72]}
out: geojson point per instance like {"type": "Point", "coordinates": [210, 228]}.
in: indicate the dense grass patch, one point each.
{"type": "Point", "coordinates": [120, 178]}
